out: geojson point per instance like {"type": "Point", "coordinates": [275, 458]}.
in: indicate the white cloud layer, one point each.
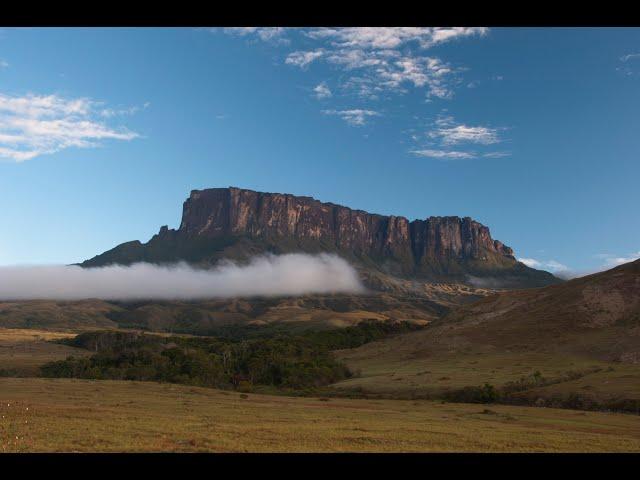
{"type": "Point", "coordinates": [34, 125]}
{"type": "Point", "coordinates": [292, 274]}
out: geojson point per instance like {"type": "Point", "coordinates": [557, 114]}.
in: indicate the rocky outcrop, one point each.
{"type": "Point", "coordinates": [232, 211]}
{"type": "Point", "coordinates": [436, 248]}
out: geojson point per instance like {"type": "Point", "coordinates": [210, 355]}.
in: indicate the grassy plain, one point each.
{"type": "Point", "coordinates": [69, 415]}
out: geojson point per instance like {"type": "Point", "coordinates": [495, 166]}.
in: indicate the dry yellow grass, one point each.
{"type": "Point", "coordinates": [408, 365]}
{"type": "Point", "coordinates": [22, 351]}
{"type": "Point", "coordinates": [105, 416]}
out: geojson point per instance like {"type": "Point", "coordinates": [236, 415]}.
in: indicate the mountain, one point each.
{"type": "Point", "coordinates": [237, 223]}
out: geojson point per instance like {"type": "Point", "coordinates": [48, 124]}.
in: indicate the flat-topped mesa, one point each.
{"type": "Point", "coordinates": [236, 224]}
{"type": "Point", "coordinates": [219, 212]}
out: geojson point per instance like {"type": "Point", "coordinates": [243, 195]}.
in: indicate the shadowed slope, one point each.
{"type": "Point", "coordinates": [588, 326]}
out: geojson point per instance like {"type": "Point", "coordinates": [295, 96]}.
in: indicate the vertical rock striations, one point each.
{"type": "Point", "coordinates": [232, 211]}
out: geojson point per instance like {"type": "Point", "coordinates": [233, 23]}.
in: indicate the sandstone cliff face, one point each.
{"type": "Point", "coordinates": [237, 224]}
{"type": "Point", "coordinates": [232, 211]}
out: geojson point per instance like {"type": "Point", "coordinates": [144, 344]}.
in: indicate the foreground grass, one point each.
{"type": "Point", "coordinates": [108, 416]}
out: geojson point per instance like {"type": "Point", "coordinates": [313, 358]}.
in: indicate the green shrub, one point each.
{"type": "Point", "coordinates": [486, 393]}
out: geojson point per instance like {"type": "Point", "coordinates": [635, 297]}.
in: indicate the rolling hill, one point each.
{"type": "Point", "coordinates": [583, 335]}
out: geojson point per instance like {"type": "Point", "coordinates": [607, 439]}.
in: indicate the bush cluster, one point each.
{"type": "Point", "coordinates": [286, 361]}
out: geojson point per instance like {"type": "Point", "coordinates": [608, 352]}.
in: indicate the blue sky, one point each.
{"type": "Point", "coordinates": [533, 132]}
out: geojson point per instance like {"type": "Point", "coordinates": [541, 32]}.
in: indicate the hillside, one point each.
{"type": "Point", "coordinates": [597, 316]}
{"type": "Point", "coordinates": [201, 317]}
{"type": "Point", "coordinates": [237, 224]}
{"type": "Point", "coordinates": [585, 332]}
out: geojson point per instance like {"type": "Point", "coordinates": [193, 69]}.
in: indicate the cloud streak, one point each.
{"type": "Point", "coordinates": [551, 265]}
{"type": "Point", "coordinates": [291, 274]}
{"type": "Point", "coordinates": [34, 125]}
{"type": "Point", "coordinates": [302, 59]}
{"type": "Point", "coordinates": [392, 37]}
{"type": "Point", "coordinates": [266, 34]}
{"type": "Point", "coordinates": [445, 134]}
{"type": "Point", "coordinates": [356, 117]}
{"type": "Point", "coordinates": [611, 260]}
{"type": "Point", "coordinates": [452, 134]}
{"type": "Point", "coordinates": [442, 154]}
{"type": "Point", "coordinates": [630, 56]}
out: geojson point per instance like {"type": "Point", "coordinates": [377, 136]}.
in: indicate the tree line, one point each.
{"type": "Point", "coordinates": [239, 359]}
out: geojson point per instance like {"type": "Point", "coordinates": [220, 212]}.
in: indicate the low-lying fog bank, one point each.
{"type": "Point", "coordinates": [271, 275]}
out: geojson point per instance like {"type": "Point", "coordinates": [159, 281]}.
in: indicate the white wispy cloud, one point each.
{"type": "Point", "coordinates": [378, 62]}
{"type": "Point", "coordinates": [302, 59]}
{"type": "Point", "coordinates": [266, 34]}
{"type": "Point", "coordinates": [629, 64]}
{"type": "Point", "coordinates": [383, 70]}
{"type": "Point", "coordinates": [4, 64]}
{"type": "Point", "coordinates": [612, 260]}
{"type": "Point", "coordinates": [442, 154]}
{"type": "Point", "coordinates": [392, 37]}
{"type": "Point", "coordinates": [356, 117]}
{"type": "Point", "coordinates": [322, 91]}
{"type": "Point", "coordinates": [629, 56]}
{"type": "Point", "coordinates": [385, 58]}
{"type": "Point", "coordinates": [560, 270]}
{"type": "Point", "coordinates": [445, 133]}
{"type": "Point", "coordinates": [117, 112]}
{"type": "Point", "coordinates": [419, 72]}
{"type": "Point", "coordinates": [551, 265]}
{"type": "Point", "coordinates": [451, 133]}
{"type": "Point", "coordinates": [34, 125]}
{"type": "Point", "coordinates": [351, 59]}
{"type": "Point", "coordinates": [496, 154]}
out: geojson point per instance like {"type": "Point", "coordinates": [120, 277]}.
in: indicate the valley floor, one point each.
{"type": "Point", "coordinates": [69, 415]}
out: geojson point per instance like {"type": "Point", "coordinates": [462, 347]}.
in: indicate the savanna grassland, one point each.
{"type": "Point", "coordinates": [23, 351]}
{"type": "Point", "coordinates": [71, 415]}
{"type": "Point", "coordinates": [486, 377]}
